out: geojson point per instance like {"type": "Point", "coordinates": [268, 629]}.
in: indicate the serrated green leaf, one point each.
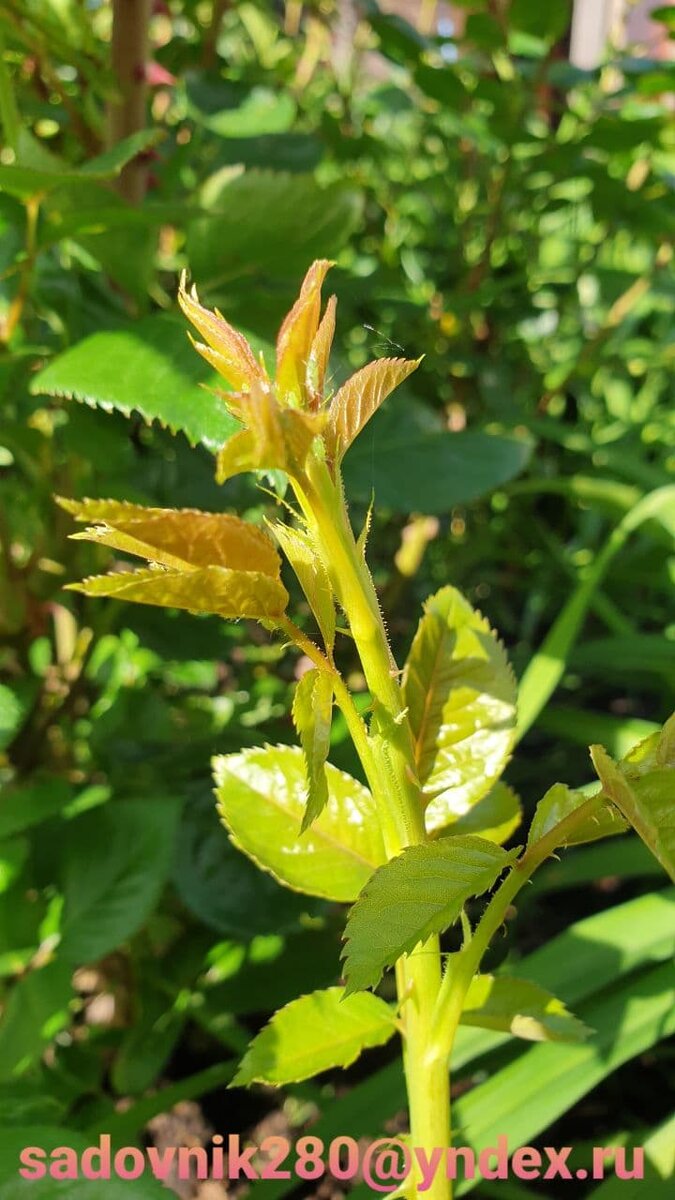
{"type": "Point", "coordinates": [178, 538]}
{"type": "Point", "coordinates": [37, 1008]}
{"type": "Point", "coordinates": [521, 1008]}
{"type": "Point", "coordinates": [312, 576]}
{"type": "Point", "coordinates": [225, 891]}
{"type": "Point", "coordinates": [310, 221]}
{"type": "Point", "coordinates": [647, 801]}
{"type": "Point", "coordinates": [495, 817]}
{"type": "Point", "coordinates": [149, 368]}
{"type": "Point", "coordinates": [591, 958]}
{"type": "Point", "coordinates": [461, 699]}
{"type": "Point", "coordinates": [558, 802]}
{"type": "Point", "coordinates": [360, 397]}
{"type": "Point", "coordinates": [206, 589]}
{"type": "Point", "coordinates": [655, 751]}
{"type": "Point", "coordinates": [315, 1033]}
{"type": "Point", "coordinates": [312, 717]}
{"type": "Point", "coordinates": [116, 861]}
{"type": "Point", "coordinates": [420, 892]}
{"type": "Point", "coordinates": [261, 800]}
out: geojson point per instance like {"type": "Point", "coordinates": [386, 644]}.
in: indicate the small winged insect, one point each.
{"type": "Point", "coordinates": [384, 343]}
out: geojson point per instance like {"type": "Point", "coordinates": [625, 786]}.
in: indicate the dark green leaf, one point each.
{"type": "Point", "coordinates": [416, 470]}
{"type": "Point", "coordinates": [116, 861]}
{"type": "Point", "coordinates": [37, 1009]}
{"type": "Point", "coordinates": [222, 888]}
{"type": "Point", "coordinates": [149, 368]}
{"type": "Point", "coordinates": [239, 236]}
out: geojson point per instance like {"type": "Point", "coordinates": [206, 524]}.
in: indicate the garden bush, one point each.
{"type": "Point", "coordinates": [506, 219]}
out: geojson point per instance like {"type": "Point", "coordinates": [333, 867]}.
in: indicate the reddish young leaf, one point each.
{"type": "Point", "coordinates": [179, 538]}
{"type": "Point", "coordinates": [227, 351]}
{"type": "Point", "coordinates": [317, 363]}
{"type": "Point", "coordinates": [297, 333]}
{"type": "Point", "coordinates": [205, 589]}
{"type": "Point", "coordinates": [360, 397]}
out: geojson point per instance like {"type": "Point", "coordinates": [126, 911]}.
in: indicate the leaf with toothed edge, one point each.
{"type": "Point", "coordinates": [179, 538]}
{"type": "Point", "coordinates": [261, 797]}
{"type": "Point", "coordinates": [360, 397]}
{"type": "Point", "coordinates": [558, 802]}
{"type": "Point", "coordinates": [315, 1033]}
{"type": "Point", "coordinates": [521, 1008]}
{"type": "Point", "coordinates": [495, 817]}
{"type": "Point", "coordinates": [460, 693]}
{"type": "Point", "coordinates": [149, 368]}
{"type": "Point", "coordinates": [312, 717]}
{"type": "Point", "coordinates": [417, 894]}
{"type": "Point", "coordinates": [312, 576]}
{"type": "Point", "coordinates": [216, 590]}
{"type": "Point", "coordinates": [646, 798]}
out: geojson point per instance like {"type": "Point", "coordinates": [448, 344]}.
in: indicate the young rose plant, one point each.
{"type": "Point", "coordinates": [425, 837]}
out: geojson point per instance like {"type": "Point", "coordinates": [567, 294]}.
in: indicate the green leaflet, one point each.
{"type": "Point", "coordinates": [37, 1008]}
{"type": "Point", "coordinates": [116, 861]}
{"type": "Point", "coordinates": [312, 716]}
{"type": "Point", "coordinates": [13, 711]}
{"type": "Point", "coordinates": [495, 817]}
{"type": "Point", "coordinates": [162, 379]}
{"type": "Point", "coordinates": [261, 799]}
{"type": "Point", "coordinates": [13, 856]}
{"type": "Point", "coordinates": [312, 576]}
{"type": "Point", "coordinates": [419, 893]}
{"type": "Point", "coordinates": [206, 590]}
{"type": "Point", "coordinates": [461, 698]}
{"type": "Point", "coordinates": [646, 800]}
{"type": "Point", "coordinates": [519, 1007]}
{"type": "Point", "coordinates": [558, 802]}
{"type": "Point", "coordinates": [236, 235]}
{"type": "Point", "coordinates": [314, 1033]}
{"type": "Point", "coordinates": [441, 468]}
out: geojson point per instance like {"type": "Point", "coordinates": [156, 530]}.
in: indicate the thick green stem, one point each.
{"type": "Point", "coordinates": [387, 754]}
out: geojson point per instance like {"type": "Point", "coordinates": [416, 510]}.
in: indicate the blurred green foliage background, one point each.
{"type": "Point", "coordinates": [490, 206]}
